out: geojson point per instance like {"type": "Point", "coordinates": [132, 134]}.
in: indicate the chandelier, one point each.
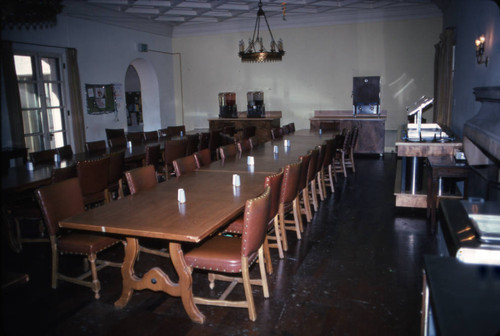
{"type": "Point", "coordinates": [251, 54]}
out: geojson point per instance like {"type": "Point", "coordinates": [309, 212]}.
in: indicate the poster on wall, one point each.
{"type": "Point", "coordinates": [100, 98]}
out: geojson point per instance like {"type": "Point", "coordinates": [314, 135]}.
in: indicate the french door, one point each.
{"type": "Point", "coordinates": [42, 103]}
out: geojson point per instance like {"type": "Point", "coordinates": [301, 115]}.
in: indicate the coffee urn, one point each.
{"type": "Point", "coordinates": [255, 104]}
{"type": "Point", "coordinates": [227, 105]}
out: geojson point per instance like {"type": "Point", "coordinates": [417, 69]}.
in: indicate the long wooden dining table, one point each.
{"type": "Point", "coordinates": [211, 202]}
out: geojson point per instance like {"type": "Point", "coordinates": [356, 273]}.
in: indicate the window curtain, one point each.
{"type": "Point", "coordinates": [76, 107]}
{"type": "Point", "coordinates": [443, 77]}
{"type": "Point", "coordinates": [12, 95]}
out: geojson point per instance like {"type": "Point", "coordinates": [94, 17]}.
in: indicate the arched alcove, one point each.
{"type": "Point", "coordinates": [150, 96]}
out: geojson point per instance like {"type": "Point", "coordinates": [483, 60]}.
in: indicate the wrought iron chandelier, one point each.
{"type": "Point", "coordinates": [251, 54]}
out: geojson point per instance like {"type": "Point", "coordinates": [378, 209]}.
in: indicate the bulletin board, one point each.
{"type": "Point", "coordinates": [100, 98]}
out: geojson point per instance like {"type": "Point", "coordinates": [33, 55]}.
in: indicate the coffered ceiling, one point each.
{"type": "Point", "coordinates": [185, 17]}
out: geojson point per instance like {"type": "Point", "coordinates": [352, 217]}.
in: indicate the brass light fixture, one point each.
{"type": "Point", "coordinates": [251, 54]}
{"type": "Point", "coordinates": [480, 51]}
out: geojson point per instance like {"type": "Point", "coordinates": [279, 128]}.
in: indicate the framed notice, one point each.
{"type": "Point", "coordinates": [100, 98]}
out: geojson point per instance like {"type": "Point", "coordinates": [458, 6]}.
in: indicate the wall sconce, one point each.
{"type": "Point", "coordinates": [480, 51]}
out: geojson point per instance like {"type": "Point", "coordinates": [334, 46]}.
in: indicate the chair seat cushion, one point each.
{"type": "Point", "coordinates": [220, 253]}
{"type": "Point", "coordinates": [236, 226]}
{"type": "Point", "coordinates": [80, 243]}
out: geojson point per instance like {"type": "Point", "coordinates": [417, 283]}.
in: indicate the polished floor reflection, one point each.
{"type": "Point", "coordinates": [356, 271]}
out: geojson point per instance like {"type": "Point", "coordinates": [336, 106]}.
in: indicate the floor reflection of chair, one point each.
{"type": "Point", "coordinates": [223, 254]}
{"type": "Point", "coordinates": [59, 201]}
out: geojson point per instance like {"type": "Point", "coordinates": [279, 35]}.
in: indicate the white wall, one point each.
{"type": "Point", "coordinates": [316, 71]}
{"type": "Point", "coordinates": [104, 54]}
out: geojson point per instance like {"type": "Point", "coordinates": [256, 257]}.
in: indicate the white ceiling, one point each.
{"type": "Point", "coordinates": [189, 17]}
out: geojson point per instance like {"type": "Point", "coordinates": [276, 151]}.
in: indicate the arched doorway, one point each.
{"type": "Point", "coordinates": [149, 92]}
{"type": "Point", "coordinates": [133, 98]}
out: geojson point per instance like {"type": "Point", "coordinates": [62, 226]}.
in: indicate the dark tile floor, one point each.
{"type": "Point", "coordinates": [357, 271]}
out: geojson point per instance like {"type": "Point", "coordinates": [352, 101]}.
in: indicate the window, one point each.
{"type": "Point", "coordinates": [42, 102]}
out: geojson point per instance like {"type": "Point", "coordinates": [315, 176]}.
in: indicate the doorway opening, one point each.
{"type": "Point", "coordinates": [133, 97]}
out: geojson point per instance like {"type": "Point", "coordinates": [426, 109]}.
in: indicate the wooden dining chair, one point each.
{"type": "Point", "coordinates": [174, 149]}
{"type": "Point", "coordinates": [319, 178]}
{"type": "Point", "coordinates": [62, 200]}
{"type": "Point", "coordinates": [303, 188]}
{"type": "Point", "coordinates": [292, 127]}
{"type": "Point", "coordinates": [64, 173]}
{"type": "Point", "coordinates": [204, 139]}
{"type": "Point", "coordinates": [150, 136]}
{"type": "Point", "coordinates": [248, 132]}
{"type": "Point", "coordinates": [203, 158]}
{"type": "Point", "coordinates": [193, 141]}
{"type": "Point", "coordinates": [115, 176]}
{"type": "Point", "coordinates": [214, 142]}
{"type": "Point", "coordinates": [245, 145]}
{"type": "Point", "coordinates": [141, 178]}
{"type": "Point", "coordinates": [154, 158]}
{"type": "Point", "coordinates": [117, 143]}
{"type": "Point", "coordinates": [234, 255]}
{"type": "Point", "coordinates": [184, 165]}
{"type": "Point", "coordinates": [138, 180]}
{"type": "Point", "coordinates": [95, 147]}
{"type": "Point", "coordinates": [326, 170]}
{"type": "Point", "coordinates": [276, 133]}
{"type": "Point", "coordinates": [65, 152]}
{"type": "Point", "coordinates": [115, 133]}
{"type": "Point", "coordinates": [135, 137]}
{"type": "Point", "coordinates": [349, 155]}
{"type": "Point", "coordinates": [45, 156]}
{"type": "Point", "coordinates": [273, 238]}
{"type": "Point", "coordinates": [229, 151]}
{"type": "Point", "coordinates": [289, 202]}
{"type": "Point", "coordinates": [93, 177]}
{"type": "Point", "coordinates": [163, 134]}
{"type": "Point", "coordinates": [176, 130]}
{"type": "Point", "coordinates": [312, 172]}
{"type": "Point", "coordinates": [339, 157]}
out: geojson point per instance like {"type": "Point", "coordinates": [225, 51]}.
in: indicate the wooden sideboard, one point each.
{"type": "Point", "coordinates": [263, 125]}
{"type": "Point", "coordinates": [371, 139]}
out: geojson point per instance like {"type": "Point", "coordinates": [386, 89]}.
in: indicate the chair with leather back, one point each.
{"type": "Point", "coordinates": [276, 133]}
{"type": "Point", "coordinates": [64, 173]}
{"type": "Point", "coordinates": [62, 200]}
{"type": "Point", "coordinates": [289, 202]}
{"type": "Point", "coordinates": [245, 145]}
{"type": "Point", "coordinates": [233, 255]}
{"type": "Point", "coordinates": [163, 134]}
{"type": "Point", "coordinates": [319, 178]}
{"type": "Point", "coordinates": [193, 142]}
{"type": "Point", "coordinates": [342, 150]}
{"type": "Point", "coordinates": [45, 156]}
{"type": "Point", "coordinates": [176, 130]}
{"type": "Point", "coordinates": [291, 127]}
{"type": "Point", "coordinates": [139, 180]}
{"type": "Point", "coordinates": [93, 177]}
{"type": "Point", "coordinates": [273, 229]}
{"type": "Point", "coordinates": [65, 152]}
{"type": "Point", "coordinates": [214, 142]}
{"type": "Point", "coordinates": [184, 165]}
{"type": "Point", "coordinates": [150, 136]}
{"type": "Point", "coordinates": [115, 176]}
{"type": "Point", "coordinates": [95, 147]}
{"type": "Point", "coordinates": [203, 158]}
{"type": "Point", "coordinates": [228, 151]}
{"type": "Point", "coordinates": [304, 188]}
{"type": "Point", "coordinates": [312, 172]}
{"type": "Point", "coordinates": [349, 155]}
{"type": "Point", "coordinates": [204, 139]}
{"type": "Point", "coordinates": [154, 158]}
{"type": "Point", "coordinates": [326, 170]}
{"type": "Point", "coordinates": [174, 149]}
{"type": "Point", "coordinates": [117, 143]}
{"type": "Point", "coordinates": [249, 131]}
{"type": "Point", "coordinates": [115, 133]}
{"type": "Point", "coordinates": [135, 137]}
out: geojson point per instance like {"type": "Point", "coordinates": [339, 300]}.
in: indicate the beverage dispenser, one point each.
{"type": "Point", "coordinates": [255, 105]}
{"type": "Point", "coordinates": [227, 105]}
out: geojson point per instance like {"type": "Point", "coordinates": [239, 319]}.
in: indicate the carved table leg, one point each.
{"type": "Point", "coordinates": [185, 283]}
